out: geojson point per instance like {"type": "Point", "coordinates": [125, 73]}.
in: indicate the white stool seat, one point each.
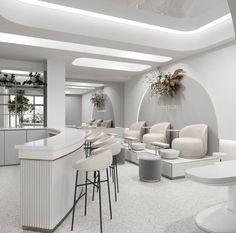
{"type": "Point", "coordinates": [97, 162]}
{"type": "Point", "coordinates": [115, 148]}
{"type": "Point", "coordinates": [169, 153]}
{"type": "Point", "coordinates": [88, 133]}
{"type": "Point", "coordinates": [103, 141]}
{"type": "Point", "coordinates": [94, 137]}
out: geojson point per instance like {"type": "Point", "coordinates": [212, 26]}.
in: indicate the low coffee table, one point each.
{"type": "Point", "coordinates": [158, 146]}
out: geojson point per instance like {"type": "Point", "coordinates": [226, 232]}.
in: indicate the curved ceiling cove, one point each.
{"type": "Point", "coordinates": [67, 46]}
{"type": "Point", "coordinates": [111, 18]}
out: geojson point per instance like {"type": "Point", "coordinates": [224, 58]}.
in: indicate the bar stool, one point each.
{"type": "Point", "coordinates": [87, 134]}
{"type": "Point", "coordinates": [115, 148]}
{"type": "Point", "coordinates": [97, 162]}
{"type": "Point", "coordinates": [103, 141]}
{"type": "Point", "coordinates": [91, 139]}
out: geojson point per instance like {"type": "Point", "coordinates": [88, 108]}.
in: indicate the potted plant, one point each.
{"type": "Point", "coordinates": [20, 105]}
{"type": "Point", "coordinates": [35, 79]}
{"type": "Point", "coordinates": [8, 80]}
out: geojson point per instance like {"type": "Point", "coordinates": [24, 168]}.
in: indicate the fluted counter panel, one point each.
{"type": "Point", "coordinates": [47, 179]}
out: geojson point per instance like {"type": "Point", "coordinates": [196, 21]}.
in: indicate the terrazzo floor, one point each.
{"type": "Point", "coordinates": [164, 207]}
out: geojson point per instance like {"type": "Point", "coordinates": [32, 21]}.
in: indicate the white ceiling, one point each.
{"type": "Point", "coordinates": [26, 20]}
{"type": "Point", "coordinates": [172, 8]}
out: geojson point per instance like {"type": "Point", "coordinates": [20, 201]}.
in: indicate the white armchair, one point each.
{"type": "Point", "coordinates": [192, 141]}
{"type": "Point", "coordinates": [158, 133]}
{"type": "Point", "coordinates": [135, 130]}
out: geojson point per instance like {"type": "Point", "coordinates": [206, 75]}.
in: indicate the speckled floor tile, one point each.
{"type": "Point", "coordinates": [168, 206]}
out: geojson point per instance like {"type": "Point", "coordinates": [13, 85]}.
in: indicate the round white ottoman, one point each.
{"type": "Point", "coordinates": [169, 153]}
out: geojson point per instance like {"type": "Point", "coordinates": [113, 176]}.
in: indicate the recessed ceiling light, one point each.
{"type": "Point", "coordinates": [82, 84]}
{"type": "Point", "coordinates": [122, 20]}
{"type": "Point", "coordinates": [78, 87]}
{"type": "Point", "coordinates": [19, 72]}
{"type": "Point", "coordinates": [110, 65]}
{"type": "Point", "coordinates": [68, 46]}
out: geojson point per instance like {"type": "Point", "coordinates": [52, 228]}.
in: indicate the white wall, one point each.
{"type": "Point", "coordinates": [73, 110]}
{"type": "Point", "coordinates": [55, 94]}
{"type": "Point", "coordinates": [215, 71]}
{"type": "Point", "coordinates": [115, 92]}
{"type": "Point", "coordinates": [22, 65]}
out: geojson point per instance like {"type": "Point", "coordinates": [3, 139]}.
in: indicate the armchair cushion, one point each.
{"type": "Point", "coordinates": [189, 147]}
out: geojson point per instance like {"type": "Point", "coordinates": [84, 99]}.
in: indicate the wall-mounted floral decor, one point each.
{"type": "Point", "coordinates": [162, 84]}
{"type": "Point", "coordinates": [98, 99]}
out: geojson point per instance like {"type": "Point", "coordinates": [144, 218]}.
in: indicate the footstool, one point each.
{"type": "Point", "coordinates": [149, 167]}
{"type": "Point", "coordinates": [169, 153]}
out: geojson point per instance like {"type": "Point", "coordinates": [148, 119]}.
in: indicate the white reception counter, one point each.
{"type": "Point", "coordinates": [47, 178]}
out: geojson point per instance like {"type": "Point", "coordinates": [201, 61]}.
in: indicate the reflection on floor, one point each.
{"type": "Point", "coordinates": [164, 207]}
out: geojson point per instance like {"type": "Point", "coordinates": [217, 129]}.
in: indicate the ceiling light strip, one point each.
{"type": "Point", "coordinates": [68, 46]}
{"type": "Point", "coordinates": [122, 20]}
{"type": "Point", "coordinates": [110, 65]}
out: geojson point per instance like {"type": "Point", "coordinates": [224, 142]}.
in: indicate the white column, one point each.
{"type": "Point", "coordinates": [55, 94]}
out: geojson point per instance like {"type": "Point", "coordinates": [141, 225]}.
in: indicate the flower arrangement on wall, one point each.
{"type": "Point", "coordinates": [98, 99]}
{"type": "Point", "coordinates": [162, 84]}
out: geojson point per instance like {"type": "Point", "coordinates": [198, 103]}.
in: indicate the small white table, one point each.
{"type": "Point", "coordinates": [220, 218]}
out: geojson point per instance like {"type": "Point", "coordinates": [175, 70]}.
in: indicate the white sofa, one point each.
{"type": "Point", "coordinates": [158, 133]}
{"type": "Point", "coordinates": [135, 130]}
{"type": "Point", "coordinates": [192, 141]}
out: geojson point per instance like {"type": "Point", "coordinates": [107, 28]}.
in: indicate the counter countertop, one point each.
{"type": "Point", "coordinates": [52, 148]}
{"type": "Point", "coordinates": [26, 128]}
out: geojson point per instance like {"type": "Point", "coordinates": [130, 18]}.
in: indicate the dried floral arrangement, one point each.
{"type": "Point", "coordinates": [162, 84]}
{"type": "Point", "coordinates": [98, 98]}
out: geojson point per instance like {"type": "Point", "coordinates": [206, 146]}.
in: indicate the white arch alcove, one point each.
{"type": "Point", "coordinates": [191, 105]}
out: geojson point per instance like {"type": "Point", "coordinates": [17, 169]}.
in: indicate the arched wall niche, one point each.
{"type": "Point", "coordinates": [106, 113]}
{"type": "Point", "coordinates": [191, 105]}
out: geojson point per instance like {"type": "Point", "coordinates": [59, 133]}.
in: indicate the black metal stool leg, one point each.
{"type": "Point", "coordinates": [86, 189]}
{"type": "Point", "coordinates": [73, 213]}
{"type": "Point", "coordinates": [117, 179]}
{"type": "Point", "coordinates": [100, 201]}
{"type": "Point", "coordinates": [94, 180]}
{"type": "Point", "coordinates": [109, 193]}
{"type": "Point", "coordinates": [114, 176]}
